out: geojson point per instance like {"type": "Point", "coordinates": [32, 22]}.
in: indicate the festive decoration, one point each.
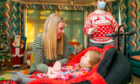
{"type": "Point", "coordinates": [133, 25]}
{"type": "Point", "coordinates": [17, 51]}
{"type": "Point", "coordinates": [28, 60]}
{"type": "Point", "coordinates": [5, 56]}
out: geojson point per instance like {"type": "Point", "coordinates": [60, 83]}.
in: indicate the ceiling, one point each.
{"type": "Point", "coordinates": [60, 2]}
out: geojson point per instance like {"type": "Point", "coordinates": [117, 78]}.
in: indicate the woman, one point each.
{"type": "Point", "coordinates": [50, 46]}
{"type": "Point", "coordinates": [98, 24]}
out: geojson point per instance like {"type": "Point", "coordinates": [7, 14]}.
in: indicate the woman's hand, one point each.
{"type": "Point", "coordinates": [57, 66]}
{"type": "Point", "coordinates": [94, 28]}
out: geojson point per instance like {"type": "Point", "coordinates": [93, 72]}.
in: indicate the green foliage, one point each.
{"type": "Point", "coordinates": [5, 56]}
{"type": "Point", "coordinates": [4, 50]}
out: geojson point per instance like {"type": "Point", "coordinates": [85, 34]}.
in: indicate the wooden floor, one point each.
{"type": "Point", "coordinates": [136, 79]}
{"type": "Point", "coordinates": [21, 69]}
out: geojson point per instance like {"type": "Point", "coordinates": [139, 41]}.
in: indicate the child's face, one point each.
{"type": "Point", "coordinates": [84, 62]}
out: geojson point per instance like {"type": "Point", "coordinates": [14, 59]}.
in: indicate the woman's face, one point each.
{"type": "Point", "coordinates": [60, 29]}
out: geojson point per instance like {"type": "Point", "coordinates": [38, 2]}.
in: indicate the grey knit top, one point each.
{"type": "Point", "coordinates": [40, 61]}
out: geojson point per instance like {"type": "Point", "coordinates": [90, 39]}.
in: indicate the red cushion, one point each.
{"type": "Point", "coordinates": [94, 78]}
{"type": "Point", "coordinates": [7, 82]}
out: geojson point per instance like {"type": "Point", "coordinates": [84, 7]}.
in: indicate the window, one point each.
{"type": "Point", "coordinates": [36, 19]}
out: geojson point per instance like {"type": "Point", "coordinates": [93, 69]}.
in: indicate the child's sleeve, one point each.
{"type": "Point", "coordinates": [69, 72]}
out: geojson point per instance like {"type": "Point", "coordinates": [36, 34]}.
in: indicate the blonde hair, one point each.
{"type": "Point", "coordinates": [52, 46]}
{"type": "Point", "coordinates": [94, 57]}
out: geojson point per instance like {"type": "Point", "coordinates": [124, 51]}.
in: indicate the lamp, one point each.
{"type": "Point", "coordinates": [72, 1]}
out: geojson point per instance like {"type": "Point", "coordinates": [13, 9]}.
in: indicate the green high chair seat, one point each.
{"type": "Point", "coordinates": [135, 62]}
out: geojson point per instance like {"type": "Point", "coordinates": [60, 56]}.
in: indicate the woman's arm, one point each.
{"type": "Point", "coordinates": [38, 52]}
{"type": "Point", "coordinates": [88, 28]}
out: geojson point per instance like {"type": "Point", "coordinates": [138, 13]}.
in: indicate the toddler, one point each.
{"type": "Point", "coordinates": [90, 59]}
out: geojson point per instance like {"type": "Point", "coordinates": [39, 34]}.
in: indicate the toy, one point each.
{"type": "Point", "coordinates": [17, 51]}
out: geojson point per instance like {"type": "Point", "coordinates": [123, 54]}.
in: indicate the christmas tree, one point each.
{"type": "Point", "coordinates": [4, 48]}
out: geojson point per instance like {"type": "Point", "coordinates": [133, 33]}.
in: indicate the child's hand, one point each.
{"type": "Point", "coordinates": [57, 66]}
{"type": "Point", "coordinates": [51, 73]}
{"type": "Point", "coordinates": [50, 70]}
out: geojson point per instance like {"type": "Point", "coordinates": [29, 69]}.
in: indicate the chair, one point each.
{"type": "Point", "coordinates": [112, 69]}
{"type": "Point", "coordinates": [134, 58]}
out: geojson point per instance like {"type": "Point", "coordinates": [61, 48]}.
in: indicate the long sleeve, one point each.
{"type": "Point", "coordinates": [65, 52]}
{"type": "Point", "coordinates": [105, 23]}
{"type": "Point", "coordinates": [38, 52]}
{"type": "Point", "coordinates": [114, 24]}
{"type": "Point", "coordinates": [88, 25]}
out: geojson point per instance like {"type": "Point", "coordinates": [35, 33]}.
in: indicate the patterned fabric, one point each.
{"type": "Point", "coordinates": [106, 24]}
{"type": "Point", "coordinates": [42, 75]}
{"type": "Point", "coordinates": [133, 24]}
{"type": "Point", "coordinates": [41, 63]}
{"type": "Point", "coordinates": [67, 72]}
